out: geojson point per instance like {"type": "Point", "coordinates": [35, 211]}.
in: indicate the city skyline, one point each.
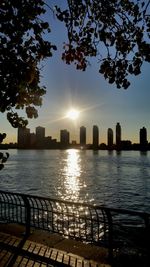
{"type": "Point", "coordinates": [25, 138]}
{"type": "Point", "coordinates": [74, 133]}
{"type": "Point", "coordinates": [99, 103]}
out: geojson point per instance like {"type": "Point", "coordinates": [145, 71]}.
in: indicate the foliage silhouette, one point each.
{"type": "Point", "coordinates": [118, 32]}
{"type": "Point", "coordinates": [22, 49]}
{"type": "Point", "coordinates": [3, 156]}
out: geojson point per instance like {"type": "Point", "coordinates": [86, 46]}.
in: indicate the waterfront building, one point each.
{"type": "Point", "coordinates": [95, 137]}
{"type": "Point", "coordinates": [118, 136]}
{"type": "Point", "coordinates": [143, 138]}
{"type": "Point", "coordinates": [23, 137]}
{"type": "Point", "coordinates": [40, 136]}
{"type": "Point", "coordinates": [64, 137]}
{"type": "Point", "coordinates": [32, 139]}
{"type": "Point", "coordinates": [110, 138]}
{"type": "Point", "coordinates": [40, 133]}
{"type": "Point", "coordinates": [82, 136]}
{"type": "Point", "coordinates": [126, 145]}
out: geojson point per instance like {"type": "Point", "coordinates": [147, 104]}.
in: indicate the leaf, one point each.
{"type": "Point", "coordinates": [7, 155]}
{"type": "Point", "coordinates": [4, 159]}
{"type": "Point", "coordinates": [1, 166]}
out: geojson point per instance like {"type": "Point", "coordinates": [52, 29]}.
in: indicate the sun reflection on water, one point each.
{"type": "Point", "coordinates": [72, 172]}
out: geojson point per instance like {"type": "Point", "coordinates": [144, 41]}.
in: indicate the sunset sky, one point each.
{"type": "Point", "coordinates": [99, 103]}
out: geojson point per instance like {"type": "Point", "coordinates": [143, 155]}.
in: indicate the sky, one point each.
{"type": "Point", "coordinates": [99, 102]}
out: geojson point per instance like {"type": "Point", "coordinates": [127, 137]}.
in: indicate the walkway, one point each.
{"type": "Point", "coordinates": [44, 249]}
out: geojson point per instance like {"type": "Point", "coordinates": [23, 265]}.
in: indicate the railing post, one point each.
{"type": "Point", "coordinates": [27, 214]}
{"type": "Point", "coordinates": [110, 234]}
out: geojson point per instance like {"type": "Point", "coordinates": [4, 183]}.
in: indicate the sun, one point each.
{"type": "Point", "coordinates": [72, 114]}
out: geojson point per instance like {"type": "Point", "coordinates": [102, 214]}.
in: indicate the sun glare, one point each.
{"type": "Point", "coordinates": [73, 114]}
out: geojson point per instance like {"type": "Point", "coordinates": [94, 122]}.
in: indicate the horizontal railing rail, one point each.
{"type": "Point", "coordinates": [82, 221]}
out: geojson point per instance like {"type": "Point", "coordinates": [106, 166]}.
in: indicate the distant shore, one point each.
{"type": "Point", "coordinates": [133, 147]}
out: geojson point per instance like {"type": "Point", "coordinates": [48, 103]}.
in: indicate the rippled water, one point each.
{"type": "Point", "coordinates": [111, 179]}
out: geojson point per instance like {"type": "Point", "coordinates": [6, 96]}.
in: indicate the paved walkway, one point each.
{"type": "Point", "coordinates": [44, 249]}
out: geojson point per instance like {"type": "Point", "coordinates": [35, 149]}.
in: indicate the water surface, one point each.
{"type": "Point", "coordinates": [115, 180]}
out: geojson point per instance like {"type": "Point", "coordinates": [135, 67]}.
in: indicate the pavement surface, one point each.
{"type": "Point", "coordinates": [42, 248]}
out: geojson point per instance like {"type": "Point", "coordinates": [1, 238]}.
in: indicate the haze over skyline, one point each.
{"type": "Point", "coordinates": [99, 103]}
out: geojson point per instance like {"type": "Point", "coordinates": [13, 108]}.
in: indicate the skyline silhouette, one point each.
{"type": "Point", "coordinates": [26, 139]}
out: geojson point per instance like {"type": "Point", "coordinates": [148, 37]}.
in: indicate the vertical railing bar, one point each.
{"type": "Point", "coordinates": [12, 207]}
{"type": "Point", "coordinates": [85, 226]}
{"type": "Point", "coordinates": [98, 224]}
{"type": "Point", "coordinates": [47, 213]}
{"type": "Point", "coordinates": [80, 222]}
{"type": "Point", "coordinates": [67, 214]}
{"type": "Point", "coordinates": [60, 220]}
{"type": "Point", "coordinates": [38, 210]}
{"type": "Point", "coordinates": [63, 218]}
{"type": "Point", "coordinates": [74, 221]}
{"type": "Point", "coordinates": [16, 209]}
{"type": "Point", "coordinates": [2, 201]}
{"type": "Point", "coordinates": [27, 214]}
{"type": "Point", "coordinates": [104, 223]}
{"type": "Point", "coordinates": [5, 204]}
{"type": "Point", "coordinates": [92, 224]}
{"type": "Point", "coordinates": [22, 209]}
{"type": "Point", "coordinates": [32, 222]}
{"type": "Point", "coordinates": [42, 212]}
{"type": "Point", "coordinates": [110, 233]}
{"type": "Point", "coordinates": [50, 202]}
{"type": "Point", "coordinates": [8, 202]}
{"type": "Point", "coordinates": [56, 216]}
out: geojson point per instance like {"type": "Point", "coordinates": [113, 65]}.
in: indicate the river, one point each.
{"type": "Point", "coordinates": [116, 180]}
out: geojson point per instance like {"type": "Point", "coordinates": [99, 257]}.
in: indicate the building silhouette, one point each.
{"type": "Point", "coordinates": [143, 139]}
{"type": "Point", "coordinates": [82, 136]}
{"type": "Point", "coordinates": [32, 139]}
{"type": "Point", "coordinates": [118, 136]}
{"type": "Point", "coordinates": [110, 138]}
{"type": "Point", "coordinates": [64, 138]}
{"type": "Point", "coordinates": [40, 133]}
{"type": "Point", "coordinates": [40, 136]}
{"type": "Point", "coordinates": [95, 137]}
{"type": "Point", "coordinates": [40, 141]}
{"type": "Point", "coordinates": [23, 137]}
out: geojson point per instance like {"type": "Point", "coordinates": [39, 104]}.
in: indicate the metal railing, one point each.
{"type": "Point", "coordinates": [90, 223]}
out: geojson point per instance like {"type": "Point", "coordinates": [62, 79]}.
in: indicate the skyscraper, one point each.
{"type": "Point", "coordinates": [64, 137]}
{"type": "Point", "coordinates": [82, 136]}
{"type": "Point", "coordinates": [40, 136]}
{"type": "Point", "coordinates": [143, 138]}
{"type": "Point", "coordinates": [40, 132]}
{"type": "Point", "coordinates": [110, 138]}
{"type": "Point", "coordinates": [23, 137]}
{"type": "Point", "coordinates": [95, 136]}
{"type": "Point", "coordinates": [118, 135]}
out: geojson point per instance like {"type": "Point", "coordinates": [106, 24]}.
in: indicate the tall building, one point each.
{"type": "Point", "coordinates": [64, 137]}
{"type": "Point", "coordinates": [23, 137]}
{"type": "Point", "coordinates": [118, 135]}
{"type": "Point", "coordinates": [110, 138]}
{"type": "Point", "coordinates": [32, 139]}
{"type": "Point", "coordinates": [95, 136]}
{"type": "Point", "coordinates": [143, 138]}
{"type": "Point", "coordinates": [82, 136]}
{"type": "Point", "coordinates": [40, 135]}
{"type": "Point", "coordinates": [40, 132]}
